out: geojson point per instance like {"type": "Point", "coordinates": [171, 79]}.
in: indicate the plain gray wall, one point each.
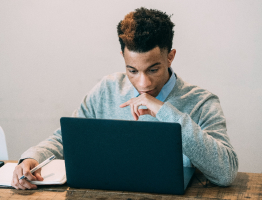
{"type": "Point", "coordinates": [53, 52]}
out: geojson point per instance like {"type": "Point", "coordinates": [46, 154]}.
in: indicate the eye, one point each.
{"type": "Point", "coordinates": [132, 71]}
{"type": "Point", "coordinates": [153, 70]}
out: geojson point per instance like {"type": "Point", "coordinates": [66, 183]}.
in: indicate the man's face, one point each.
{"type": "Point", "coordinates": [148, 72]}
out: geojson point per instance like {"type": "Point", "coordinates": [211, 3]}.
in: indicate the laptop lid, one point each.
{"type": "Point", "coordinates": [123, 155]}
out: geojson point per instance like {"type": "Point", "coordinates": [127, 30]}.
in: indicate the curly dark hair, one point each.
{"type": "Point", "coordinates": [144, 29]}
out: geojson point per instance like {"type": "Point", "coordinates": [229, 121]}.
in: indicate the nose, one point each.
{"type": "Point", "coordinates": [144, 81]}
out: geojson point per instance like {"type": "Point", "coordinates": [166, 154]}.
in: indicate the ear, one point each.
{"type": "Point", "coordinates": [121, 53]}
{"type": "Point", "coordinates": [171, 56]}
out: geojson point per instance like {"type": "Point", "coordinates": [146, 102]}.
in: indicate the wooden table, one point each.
{"type": "Point", "coordinates": [245, 186]}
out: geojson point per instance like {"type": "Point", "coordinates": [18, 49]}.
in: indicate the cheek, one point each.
{"type": "Point", "coordinates": [158, 78]}
{"type": "Point", "coordinates": [159, 82]}
{"type": "Point", "coordinates": [132, 79]}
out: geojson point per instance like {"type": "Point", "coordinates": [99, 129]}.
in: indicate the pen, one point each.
{"type": "Point", "coordinates": [48, 160]}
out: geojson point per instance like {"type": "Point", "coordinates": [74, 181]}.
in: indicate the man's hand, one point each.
{"type": "Point", "coordinates": [24, 169]}
{"type": "Point", "coordinates": [153, 105]}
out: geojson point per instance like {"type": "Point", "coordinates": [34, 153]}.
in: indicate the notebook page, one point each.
{"type": "Point", "coordinates": [6, 174]}
{"type": "Point", "coordinates": [53, 173]}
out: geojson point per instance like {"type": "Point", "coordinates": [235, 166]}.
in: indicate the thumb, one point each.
{"type": "Point", "coordinates": [144, 111]}
{"type": "Point", "coordinates": [38, 175]}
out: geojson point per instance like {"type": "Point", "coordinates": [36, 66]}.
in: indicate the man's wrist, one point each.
{"type": "Point", "coordinates": [22, 160]}
{"type": "Point", "coordinates": [157, 106]}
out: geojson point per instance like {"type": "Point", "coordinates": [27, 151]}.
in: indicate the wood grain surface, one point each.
{"type": "Point", "coordinates": [245, 186]}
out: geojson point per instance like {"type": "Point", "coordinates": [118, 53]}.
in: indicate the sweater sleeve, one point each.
{"type": "Point", "coordinates": [206, 142]}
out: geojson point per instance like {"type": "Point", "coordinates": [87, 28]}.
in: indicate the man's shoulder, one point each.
{"type": "Point", "coordinates": [114, 83]}
{"type": "Point", "coordinates": [190, 91]}
{"type": "Point", "coordinates": [188, 98]}
{"type": "Point", "coordinates": [115, 77]}
{"type": "Point", "coordinates": [109, 86]}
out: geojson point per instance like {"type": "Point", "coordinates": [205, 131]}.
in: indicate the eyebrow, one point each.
{"type": "Point", "coordinates": [128, 66]}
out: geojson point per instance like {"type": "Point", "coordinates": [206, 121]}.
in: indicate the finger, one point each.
{"type": "Point", "coordinates": [136, 110]}
{"type": "Point", "coordinates": [26, 184]}
{"type": "Point", "coordinates": [28, 174]}
{"type": "Point", "coordinates": [144, 111]}
{"type": "Point", "coordinates": [124, 104]}
{"type": "Point", "coordinates": [127, 103]}
{"type": "Point", "coordinates": [38, 175]}
{"type": "Point", "coordinates": [132, 112]}
{"type": "Point", "coordinates": [23, 182]}
{"type": "Point", "coordinates": [15, 182]}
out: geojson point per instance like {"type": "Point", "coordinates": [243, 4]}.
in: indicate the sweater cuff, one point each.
{"type": "Point", "coordinates": [169, 113]}
{"type": "Point", "coordinates": [22, 159]}
{"type": "Point", "coordinates": [31, 155]}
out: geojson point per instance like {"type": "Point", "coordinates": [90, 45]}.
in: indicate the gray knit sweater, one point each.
{"type": "Point", "coordinates": [205, 141]}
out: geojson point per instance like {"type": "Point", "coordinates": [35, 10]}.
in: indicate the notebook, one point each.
{"type": "Point", "coordinates": [53, 174]}
{"type": "Point", "coordinates": [124, 155]}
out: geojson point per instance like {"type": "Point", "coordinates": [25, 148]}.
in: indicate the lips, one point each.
{"type": "Point", "coordinates": [148, 92]}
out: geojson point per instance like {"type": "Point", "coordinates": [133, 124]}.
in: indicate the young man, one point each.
{"type": "Point", "coordinates": [146, 40]}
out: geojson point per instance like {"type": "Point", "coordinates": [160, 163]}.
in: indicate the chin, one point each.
{"type": "Point", "coordinates": [155, 94]}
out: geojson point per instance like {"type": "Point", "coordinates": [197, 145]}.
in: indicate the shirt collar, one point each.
{"type": "Point", "coordinates": [165, 91]}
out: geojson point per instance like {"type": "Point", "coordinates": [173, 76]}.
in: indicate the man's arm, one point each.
{"type": "Point", "coordinates": [53, 145]}
{"type": "Point", "coordinates": [206, 144]}
{"type": "Point", "coordinates": [50, 146]}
